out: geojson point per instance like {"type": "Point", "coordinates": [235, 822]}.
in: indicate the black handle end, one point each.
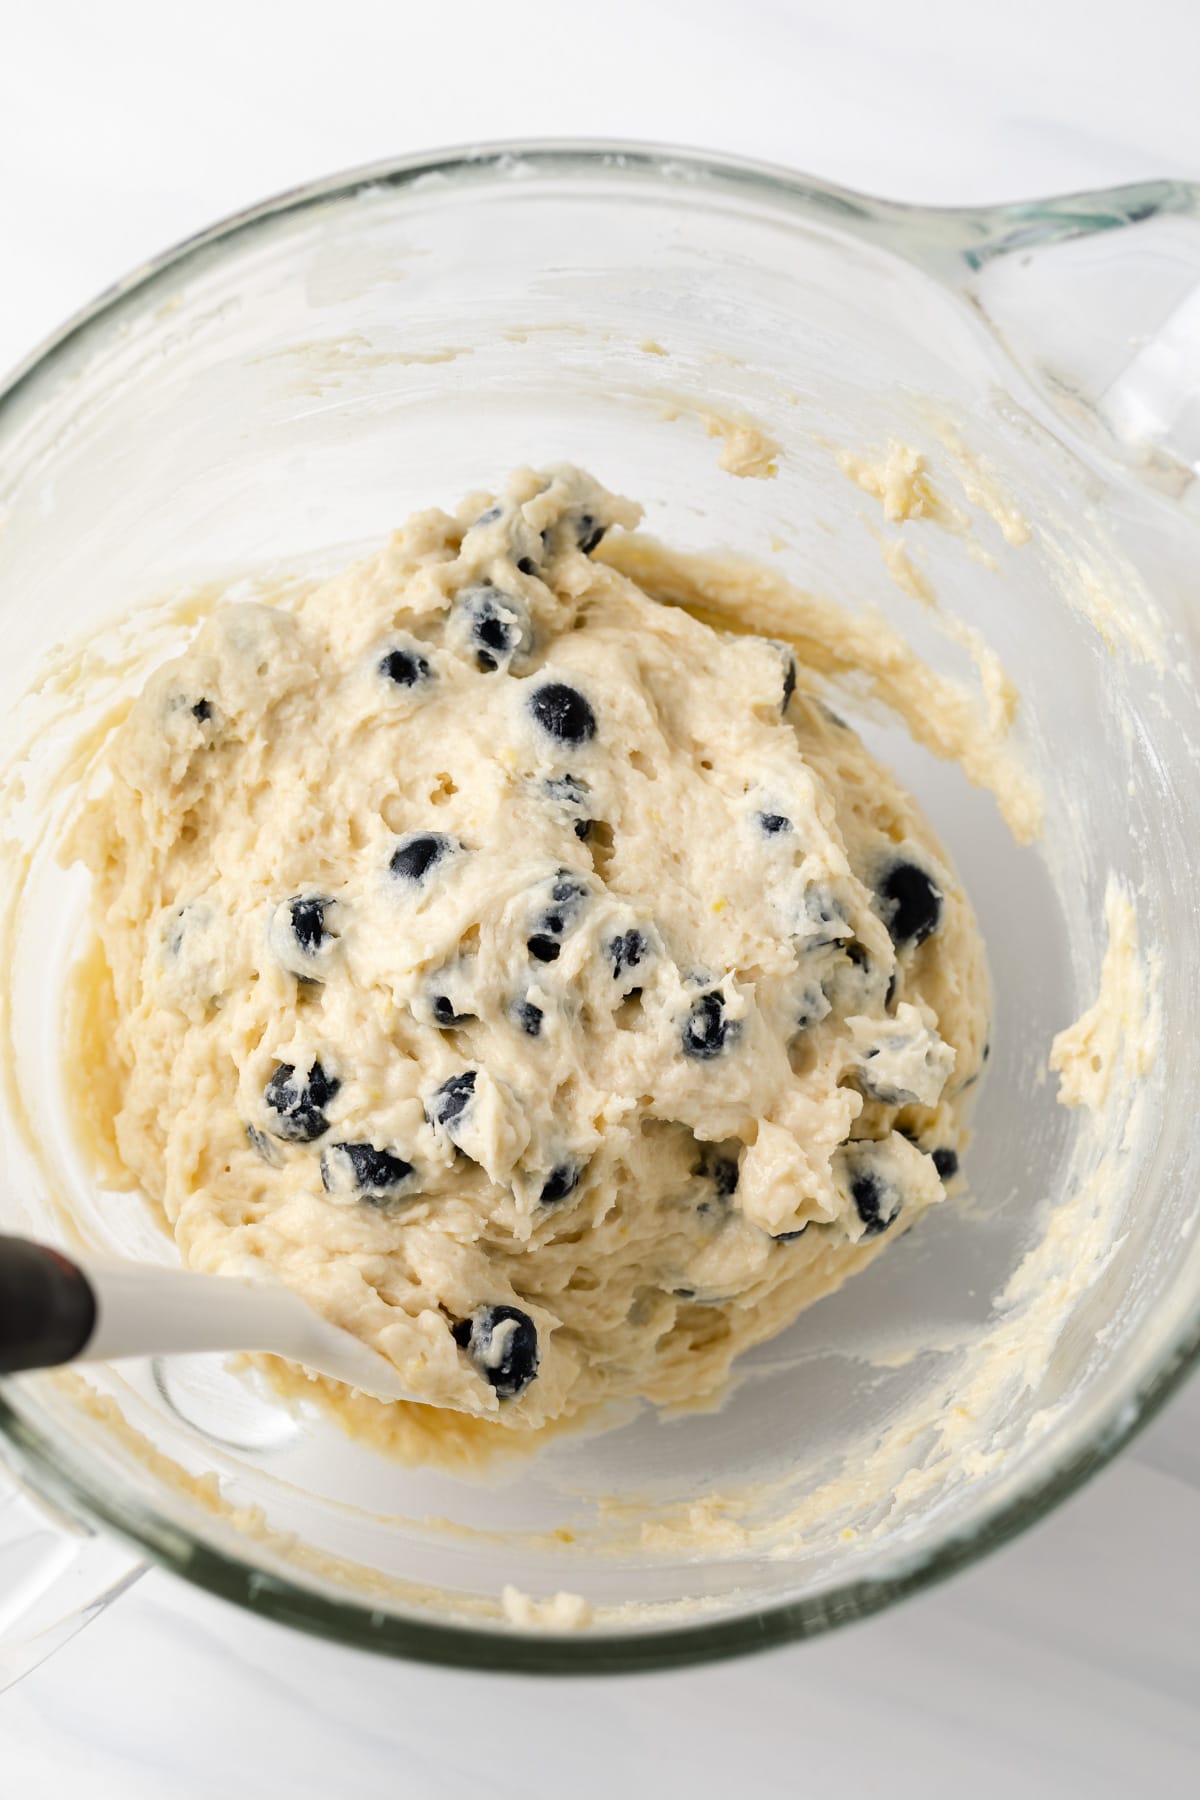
{"type": "Point", "coordinates": [47, 1307]}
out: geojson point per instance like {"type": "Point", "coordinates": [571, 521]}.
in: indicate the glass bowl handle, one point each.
{"type": "Point", "coordinates": [56, 1575]}
{"type": "Point", "coordinates": [1096, 298]}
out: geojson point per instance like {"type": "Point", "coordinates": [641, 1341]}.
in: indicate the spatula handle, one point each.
{"type": "Point", "coordinates": [47, 1307]}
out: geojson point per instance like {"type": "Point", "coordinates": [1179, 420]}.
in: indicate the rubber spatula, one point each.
{"type": "Point", "coordinates": [57, 1309]}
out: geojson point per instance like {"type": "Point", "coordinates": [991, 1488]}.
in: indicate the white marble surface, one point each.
{"type": "Point", "coordinates": [1069, 1663]}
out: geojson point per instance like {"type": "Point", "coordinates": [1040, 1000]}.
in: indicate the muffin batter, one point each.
{"type": "Point", "coordinates": [544, 983]}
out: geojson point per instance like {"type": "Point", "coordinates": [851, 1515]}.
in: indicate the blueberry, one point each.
{"type": "Point", "coordinates": [299, 1106]}
{"type": "Point", "coordinates": [375, 1174]}
{"type": "Point", "coordinates": [945, 1161]}
{"type": "Point", "coordinates": [911, 904]}
{"type": "Point", "coordinates": [529, 1017]}
{"type": "Point", "coordinates": [871, 1196]}
{"type": "Point", "coordinates": [417, 853]}
{"type": "Point", "coordinates": [813, 1006]}
{"type": "Point", "coordinates": [307, 915]}
{"type": "Point", "coordinates": [572, 793]}
{"type": "Point", "coordinates": [527, 565]}
{"type": "Point", "coordinates": [448, 1102]}
{"type": "Point", "coordinates": [202, 711]}
{"type": "Point", "coordinates": [567, 894]}
{"type": "Point", "coordinates": [789, 677]}
{"type": "Point", "coordinates": [497, 625]}
{"type": "Point", "coordinates": [588, 532]}
{"type": "Point", "coordinates": [404, 667]}
{"type": "Point", "coordinates": [262, 1146]}
{"type": "Point", "coordinates": [568, 890]}
{"type": "Point", "coordinates": [773, 824]}
{"type": "Point", "coordinates": [725, 1174]}
{"type": "Point", "coordinates": [707, 1030]}
{"type": "Point", "coordinates": [626, 951]}
{"type": "Point", "coordinates": [444, 1014]}
{"type": "Point", "coordinates": [824, 920]}
{"type": "Point", "coordinates": [502, 1343]}
{"type": "Point", "coordinates": [559, 1183]}
{"type": "Point", "coordinates": [563, 713]}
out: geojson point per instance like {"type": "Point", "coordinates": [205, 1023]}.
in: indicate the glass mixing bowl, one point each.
{"type": "Point", "coordinates": [278, 394]}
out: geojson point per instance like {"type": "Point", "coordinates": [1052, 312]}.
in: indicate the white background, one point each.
{"type": "Point", "coordinates": [1069, 1664]}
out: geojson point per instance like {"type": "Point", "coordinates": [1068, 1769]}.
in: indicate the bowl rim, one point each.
{"type": "Point", "coordinates": [942, 239]}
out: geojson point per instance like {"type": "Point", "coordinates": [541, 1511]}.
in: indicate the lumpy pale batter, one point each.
{"type": "Point", "coordinates": [546, 984]}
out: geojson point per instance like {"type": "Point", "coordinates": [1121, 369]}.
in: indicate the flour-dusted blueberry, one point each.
{"type": "Point", "coordinates": [529, 1017]}
{"type": "Point", "coordinates": [405, 668]}
{"type": "Point", "coordinates": [718, 1165]}
{"type": "Point", "coordinates": [296, 1103]}
{"type": "Point", "coordinates": [495, 624]}
{"type": "Point", "coordinates": [564, 898]}
{"type": "Point", "coordinates": [363, 1170]}
{"type": "Point", "coordinates": [489, 517]}
{"type": "Point", "coordinates": [945, 1161]}
{"type": "Point", "coordinates": [821, 919]}
{"type": "Point", "coordinates": [773, 824]}
{"type": "Point", "coordinates": [308, 920]}
{"type": "Point", "coordinates": [707, 1031]}
{"type": "Point", "coordinates": [563, 713]}
{"type": "Point", "coordinates": [910, 903]}
{"type": "Point", "coordinates": [418, 853]}
{"type": "Point", "coordinates": [568, 890]}
{"type": "Point", "coordinates": [569, 792]}
{"type": "Point", "coordinates": [442, 1008]}
{"type": "Point", "coordinates": [874, 1201]}
{"type": "Point", "coordinates": [589, 530]}
{"type": "Point", "coordinates": [301, 935]}
{"type": "Point", "coordinates": [812, 1005]}
{"type": "Point", "coordinates": [875, 1197]}
{"type": "Point", "coordinates": [262, 1146]}
{"type": "Point", "coordinates": [502, 1343]}
{"type": "Point", "coordinates": [561, 1181]}
{"type": "Point", "coordinates": [626, 951]}
{"type": "Point", "coordinates": [449, 1102]}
